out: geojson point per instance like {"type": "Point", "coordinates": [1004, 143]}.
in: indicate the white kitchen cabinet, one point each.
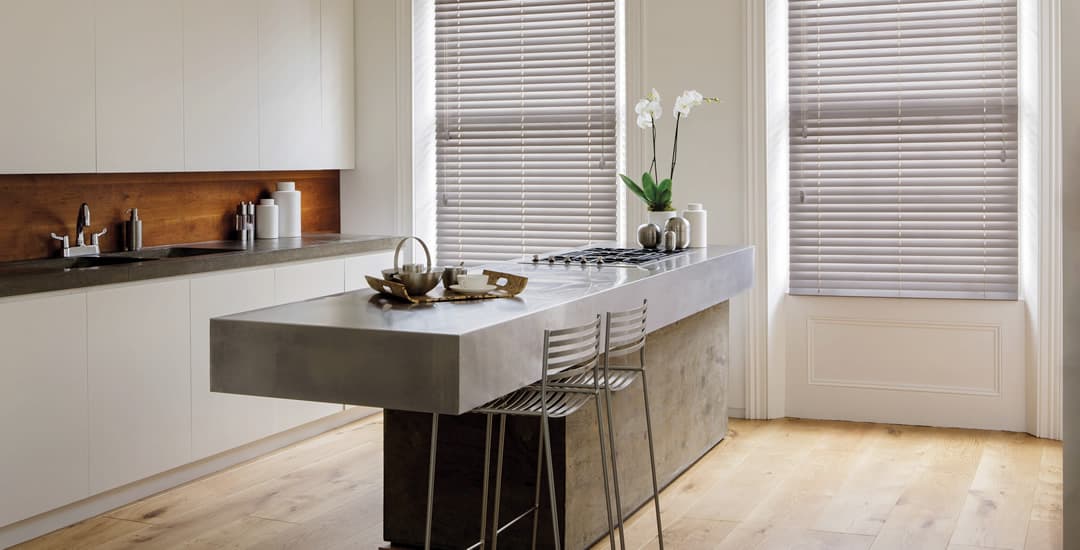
{"type": "Point", "coordinates": [221, 85]}
{"type": "Point", "coordinates": [47, 95]}
{"type": "Point", "coordinates": [139, 381]}
{"type": "Point", "coordinates": [295, 283]}
{"type": "Point", "coordinates": [44, 447]}
{"type": "Point", "coordinates": [222, 421]}
{"type": "Point", "coordinates": [139, 60]}
{"type": "Point", "coordinates": [357, 267]}
{"type": "Point", "coordinates": [338, 96]}
{"type": "Point", "coordinates": [290, 96]}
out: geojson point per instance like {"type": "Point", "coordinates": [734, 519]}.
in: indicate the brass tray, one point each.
{"type": "Point", "coordinates": [506, 286]}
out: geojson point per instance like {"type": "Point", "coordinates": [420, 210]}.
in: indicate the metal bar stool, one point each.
{"type": "Point", "coordinates": [624, 334]}
{"type": "Point", "coordinates": [571, 355]}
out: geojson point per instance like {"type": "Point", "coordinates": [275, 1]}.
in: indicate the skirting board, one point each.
{"type": "Point", "coordinates": [98, 504]}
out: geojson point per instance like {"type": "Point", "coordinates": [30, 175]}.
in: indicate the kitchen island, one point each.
{"type": "Point", "coordinates": [448, 358]}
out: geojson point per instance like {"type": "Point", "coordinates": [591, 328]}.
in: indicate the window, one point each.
{"type": "Point", "coordinates": [903, 143]}
{"type": "Point", "coordinates": [525, 126]}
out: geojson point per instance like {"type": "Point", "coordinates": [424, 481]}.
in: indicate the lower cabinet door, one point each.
{"type": "Point", "coordinates": [358, 267]}
{"type": "Point", "coordinates": [295, 283]}
{"type": "Point", "coordinates": [43, 444]}
{"type": "Point", "coordinates": [139, 381]}
{"type": "Point", "coordinates": [221, 421]}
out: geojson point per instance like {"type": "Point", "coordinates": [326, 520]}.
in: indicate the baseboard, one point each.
{"type": "Point", "coordinates": [75, 512]}
{"type": "Point", "coordinates": [736, 412]}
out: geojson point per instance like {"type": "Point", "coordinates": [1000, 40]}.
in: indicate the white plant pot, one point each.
{"type": "Point", "coordinates": [661, 218]}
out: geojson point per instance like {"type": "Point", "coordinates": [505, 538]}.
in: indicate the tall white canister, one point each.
{"type": "Point", "coordinates": [699, 224]}
{"type": "Point", "coordinates": [288, 201]}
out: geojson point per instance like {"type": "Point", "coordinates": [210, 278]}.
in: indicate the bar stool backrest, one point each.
{"type": "Point", "coordinates": [571, 352]}
{"type": "Point", "coordinates": [625, 331]}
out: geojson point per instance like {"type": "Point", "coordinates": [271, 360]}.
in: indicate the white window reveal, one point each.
{"type": "Point", "coordinates": [903, 140]}
{"type": "Point", "coordinates": [525, 114]}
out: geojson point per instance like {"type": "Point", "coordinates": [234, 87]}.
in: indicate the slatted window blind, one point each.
{"type": "Point", "coordinates": [525, 114]}
{"type": "Point", "coordinates": [903, 142]}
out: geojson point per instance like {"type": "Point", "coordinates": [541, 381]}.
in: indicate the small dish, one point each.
{"type": "Point", "coordinates": [479, 290]}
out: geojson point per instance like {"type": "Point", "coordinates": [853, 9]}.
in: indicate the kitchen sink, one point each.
{"type": "Point", "coordinates": [178, 252]}
{"type": "Point", "coordinates": [83, 262]}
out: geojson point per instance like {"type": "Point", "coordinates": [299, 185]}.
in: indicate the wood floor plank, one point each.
{"type": "Point", "coordinates": [771, 485]}
{"type": "Point", "coordinates": [1044, 535]}
{"type": "Point", "coordinates": [164, 507]}
{"type": "Point", "coordinates": [85, 535]}
{"type": "Point", "coordinates": [693, 534]}
{"type": "Point", "coordinates": [1049, 491]}
{"type": "Point", "coordinates": [998, 506]}
{"type": "Point", "coordinates": [785, 538]}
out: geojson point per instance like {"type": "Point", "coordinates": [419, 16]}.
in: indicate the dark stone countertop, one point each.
{"type": "Point", "coordinates": [32, 276]}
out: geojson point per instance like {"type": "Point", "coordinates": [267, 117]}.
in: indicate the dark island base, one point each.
{"type": "Point", "coordinates": [687, 365]}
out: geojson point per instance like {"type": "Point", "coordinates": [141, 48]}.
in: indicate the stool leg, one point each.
{"type": "Point", "coordinates": [487, 469]}
{"type": "Point", "coordinates": [551, 482]}
{"type": "Point", "coordinates": [539, 470]}
{"type": "Point", "coordinates": [603, 466]}
{"type": "Point", "coordinates": [652, 457]}
{"type": "Point", "coordinates": [498, 484]}
{"type": "Point", "coordinates": [431, 478]}
{"type": "Point", "coordinates": [615, 467]}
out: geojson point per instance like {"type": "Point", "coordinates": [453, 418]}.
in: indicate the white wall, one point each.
{"type": "Point", "coordinates": [698, 44]}
{"type": "Point", "coordinates": [1070, 131]}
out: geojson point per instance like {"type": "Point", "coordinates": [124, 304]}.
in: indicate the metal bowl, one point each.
{"type": "Point", "coordinates": [418, 284]}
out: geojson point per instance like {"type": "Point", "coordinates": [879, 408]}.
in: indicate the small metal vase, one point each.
{"type": "Point", "coordinates": [648, 235]}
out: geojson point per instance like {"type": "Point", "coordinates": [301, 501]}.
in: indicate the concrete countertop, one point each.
{"type": "Point", "coordinates": [32, 276]}
{"type": "Point", "coordinates": [364, 349]}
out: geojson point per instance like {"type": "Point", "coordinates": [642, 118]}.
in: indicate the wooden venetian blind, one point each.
{"type": "Point", "coordinates": [525, 144]}
{"type": "Point", "coordinates": [903, 140]}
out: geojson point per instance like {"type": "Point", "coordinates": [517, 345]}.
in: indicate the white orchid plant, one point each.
{"type": "Point", "coordinates": [656, 192]}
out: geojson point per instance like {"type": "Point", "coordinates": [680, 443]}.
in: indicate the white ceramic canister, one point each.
{"type": "Point", "coordinates": [699, 227]}
{"type": "Point", "coordinates": [266, 219]}
{"type": "Point", "coordinates": [288, 201]}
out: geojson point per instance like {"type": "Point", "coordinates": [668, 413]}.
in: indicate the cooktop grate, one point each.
{"type": "Point", "coordinates": [607, 256]}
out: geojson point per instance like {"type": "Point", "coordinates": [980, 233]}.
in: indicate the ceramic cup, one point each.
{"type": "Point", "coordinates": [475, 281]}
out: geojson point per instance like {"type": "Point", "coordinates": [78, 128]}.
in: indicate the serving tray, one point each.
{"type": "Point", "coordinates": [506, 286]}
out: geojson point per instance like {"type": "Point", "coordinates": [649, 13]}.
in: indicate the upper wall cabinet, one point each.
{"type": "Point", "coordinates": [338, 84]}
{"type": "Point", "coordinates": [139, 50]}
{"type": "Point", "coordinates": [173, 85]}
{"type": "Point", "coordinates": [290, 97]}
{"type": "Point", "coordinates": [47, 95]}
{"type": "Point", "coordinates": [221, 84]}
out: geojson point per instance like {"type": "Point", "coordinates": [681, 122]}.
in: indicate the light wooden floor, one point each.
{"type": "Point", "coordinates": [771, 485]}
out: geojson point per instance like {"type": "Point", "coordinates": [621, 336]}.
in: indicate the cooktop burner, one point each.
{"type": "Point", "coordinates": [607, 256]}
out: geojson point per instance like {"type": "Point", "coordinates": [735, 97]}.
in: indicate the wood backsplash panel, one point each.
{"type": "Point", "coordinates": [176, 207]}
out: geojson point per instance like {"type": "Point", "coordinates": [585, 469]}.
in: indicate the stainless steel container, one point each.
{"type": "Point", "coordinates": [681, 228]}
{"type": "Point", "coordinates": [670, 240]}
{"type": "Point", "coordinates": [450, 275]}
{"type": "Point", "coordinates": [648, 235]}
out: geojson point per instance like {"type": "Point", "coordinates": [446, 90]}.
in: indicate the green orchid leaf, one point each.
{"type": "Point", "coordinates": [634, 188]}
{"type": "Point", "coordinates": [665, 193]}
{"type": "Point", "coordinates": [649, 186]}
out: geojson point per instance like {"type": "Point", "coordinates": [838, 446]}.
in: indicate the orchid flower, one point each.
{"type": "Point", "coordinates": [656, 192]}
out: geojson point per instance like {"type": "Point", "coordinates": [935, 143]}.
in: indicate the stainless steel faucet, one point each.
{"type": "Point", "coordinates": [81, 248]}
{"type": "Point", "coordinates": [81, 222]}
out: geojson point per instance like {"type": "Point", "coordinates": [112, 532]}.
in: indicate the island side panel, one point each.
{"type": "Point", "coordinates": [687, 362]}
{"type": "Point", "coordinates": [687, 368]}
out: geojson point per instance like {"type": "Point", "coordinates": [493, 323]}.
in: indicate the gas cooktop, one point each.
{"type": "Point", "coordinates": [625, 257]}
